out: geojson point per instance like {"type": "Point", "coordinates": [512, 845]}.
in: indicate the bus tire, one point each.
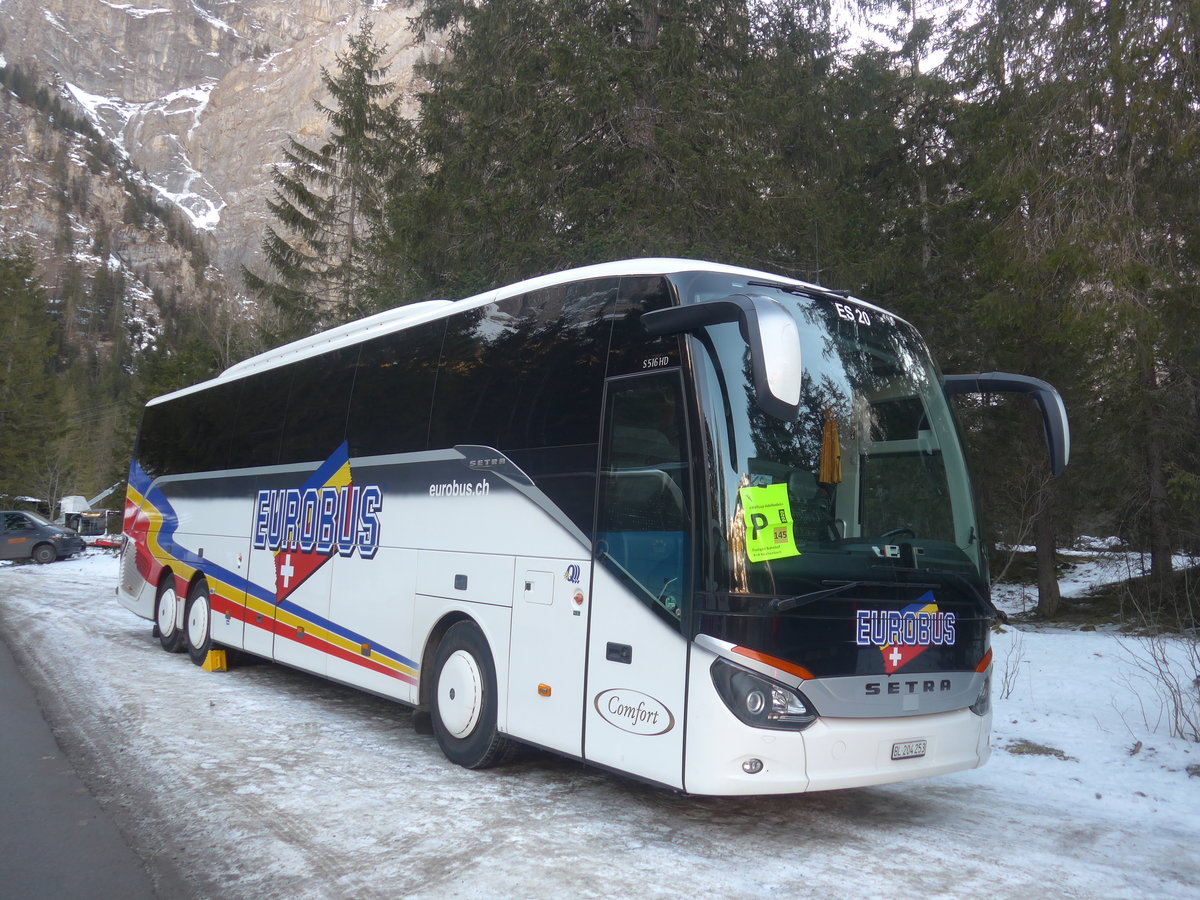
{"type": "Point", "coordinates": [44, 553]}
{"type": "Point", "coordinates": [465, 699]}
{"type": "Point", "coordinates": [166, 625]}
{"type": "Point", "coordinates": [197, 623]}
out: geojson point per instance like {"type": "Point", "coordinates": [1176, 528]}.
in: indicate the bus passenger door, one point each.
{"type": "Point", "coordinates": [637, 655]}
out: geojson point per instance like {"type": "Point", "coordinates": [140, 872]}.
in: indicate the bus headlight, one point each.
{"type": "Point", "coordinates": [983, 703]}
{"type": "Point", "coordinates": [759, 701]}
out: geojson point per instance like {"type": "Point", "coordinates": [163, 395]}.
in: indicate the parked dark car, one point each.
{"type": "Point", "coordinates": [26, 535]}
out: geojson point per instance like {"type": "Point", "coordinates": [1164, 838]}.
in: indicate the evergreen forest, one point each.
{"type": "Point", "coordinates": [1018, 178]}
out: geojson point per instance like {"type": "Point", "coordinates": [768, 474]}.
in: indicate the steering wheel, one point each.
{"type": "Point", "coordinates": [897, 532]}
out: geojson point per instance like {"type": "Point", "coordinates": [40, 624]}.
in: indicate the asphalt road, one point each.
{"type": "Point", "coordinates": [55, 838]}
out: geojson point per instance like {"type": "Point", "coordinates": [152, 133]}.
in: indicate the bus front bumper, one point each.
{"type": "Point", "coordinates": [733, 758]}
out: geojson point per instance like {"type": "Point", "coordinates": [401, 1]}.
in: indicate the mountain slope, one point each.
{"type": "Point", "coordinates": [200, 95]}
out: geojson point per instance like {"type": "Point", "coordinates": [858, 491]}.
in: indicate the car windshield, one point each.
{"type": "Point", "coordinates": [867, 483]}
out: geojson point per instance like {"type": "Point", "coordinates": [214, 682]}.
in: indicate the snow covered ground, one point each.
{"type": "Point", "coordinates": [1093, 561]}
{"type": "Point", "coordinates": [264, 782]}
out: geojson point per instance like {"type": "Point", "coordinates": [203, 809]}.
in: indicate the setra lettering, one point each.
{"type": "Point", "coordinates": [916, 686]}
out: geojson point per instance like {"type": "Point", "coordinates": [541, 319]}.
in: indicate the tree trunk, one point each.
{"type": "Point", "coordinates": [1045, 536]}
{"type": "Point", "coordinates": [647, 21]}
{"type": "Point", "coordinates": [643, 118]}
{"type": "Point", "coordinates": [1044, 540]}
{"type": "Point", "coordinates": [1158, 502]}
{"type": "Point", "coordinates": [921, 138]}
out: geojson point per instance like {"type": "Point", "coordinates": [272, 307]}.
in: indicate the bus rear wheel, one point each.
{"type": "Point", "coordinates": [166, 613]}
{"type": "Point", "coordinates": [197, 623]}
{"type": "Point", "coordinates": [464, 699]}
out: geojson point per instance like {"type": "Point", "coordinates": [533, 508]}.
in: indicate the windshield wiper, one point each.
{"type": "Point", "coordinates": [813, 292]}
{"type": "Point", "coordinates": [784, 604]}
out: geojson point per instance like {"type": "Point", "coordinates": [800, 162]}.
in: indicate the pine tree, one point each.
{"type": "Point", "coordinates": [27, 389]}
{"type": "Point", "coordinates": [1085, 129]}
{"type": "Point", "coordinates": [326, 200]}
{"type": "Point", "coordinates": [560, 133]}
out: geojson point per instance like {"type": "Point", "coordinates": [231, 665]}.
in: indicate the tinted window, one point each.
{"type": "Point", "coordinates": [159, 441]}
{"type": "Point", "coordinates": [526, 376]}
{"type": "Point", "coordinates": [190, 434]}
{"type": "Point", "coordinates": [527, 371]}
{"type": "Point", "coordinates": [393, 391]}
{"type": "Point", "coordinates": [315, 424]}
{"type": "Point", "coordinates": [644, 519]}
{"type": "Point", "coordinates": [262, 401]}
{"type": "Point", "coordinates": [207, 428]}
{"type": "Point", "coordinates": [632, 350]}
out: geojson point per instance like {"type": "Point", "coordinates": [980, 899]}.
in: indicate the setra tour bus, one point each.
{"type": "Point", "coordinates": [708, 527]}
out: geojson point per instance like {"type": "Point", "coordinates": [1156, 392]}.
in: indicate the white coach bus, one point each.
{"type": "Point", "coordinates": [708, 527]}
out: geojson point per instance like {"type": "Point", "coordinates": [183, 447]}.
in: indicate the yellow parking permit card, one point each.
{"type": "Point", "coordinates": [768, 519]}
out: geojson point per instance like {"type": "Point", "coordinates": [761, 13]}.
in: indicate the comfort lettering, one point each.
{"type": "Point", "coordinates": [636, 715]}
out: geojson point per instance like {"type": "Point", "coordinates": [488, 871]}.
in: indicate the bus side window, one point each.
{"type": "Point", "coordinates": [526, 376]}
{"type": "Point", "coordinates": [261, 404]}
{"type": "Point", "coordinates": [318, 405]}
{"type": "Point", "coordinates": [393, 391]}
{"type": "Point", "coordinates": [644, 512]}
{"type": "Point", "coordinates": [158, 440]}
{"type": "Point", "coordinates": [632, 351]}
{"type": "Point", "coordinates": [190, 434]}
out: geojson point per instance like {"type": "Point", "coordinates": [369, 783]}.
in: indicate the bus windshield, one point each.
{"type": "Point", "coordinates": [868, 483]}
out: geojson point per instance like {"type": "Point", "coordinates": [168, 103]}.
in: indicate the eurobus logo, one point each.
{"type": "Point", "coordinates": [903, 635]}
{"type": "Point", "coordinates": [319, 521]}
{"type": "Point", "coordinates": [305, 526]}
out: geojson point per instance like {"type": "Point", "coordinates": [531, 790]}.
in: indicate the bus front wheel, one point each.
{"type": "Point", "coordinates": [197, 624]}
{"type": "Point", "coordinates": [166, 616]}
{"type": "Point", "coordinates": [464, 699]}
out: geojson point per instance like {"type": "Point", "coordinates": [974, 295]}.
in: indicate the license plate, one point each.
{"type": "Point", "coordinates": [908, 749]}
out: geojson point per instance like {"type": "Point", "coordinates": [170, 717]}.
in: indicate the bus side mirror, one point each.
{"type": "Point", "coordinates": [1054, 412]}
{"type": "Point", "coordinates": [768, 330]}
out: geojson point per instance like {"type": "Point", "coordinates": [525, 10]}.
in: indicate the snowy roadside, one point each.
{"type": "Point", "coordinates": [263, 781]}
{"type": "Point", "coordinates": [1091, 562]}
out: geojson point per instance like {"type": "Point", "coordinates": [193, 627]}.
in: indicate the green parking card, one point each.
{"type": "Point", "coordinates": [768, 519]}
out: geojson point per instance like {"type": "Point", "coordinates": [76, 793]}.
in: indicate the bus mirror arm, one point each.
{"type": "Point", "coordinates": [1049, 401]}
{"type": "Point", "coordinates": [766, 327]}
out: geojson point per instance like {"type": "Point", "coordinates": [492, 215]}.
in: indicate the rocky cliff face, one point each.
{"type": "Point", "coordinates": [66, 199]}
{"type": "Point", "coordinates": [202, 94]}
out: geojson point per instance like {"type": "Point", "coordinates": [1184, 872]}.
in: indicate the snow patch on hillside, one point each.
{"type": "Point", "coordinates": [54, 21]}
{"type": "Point", "coordinates": [125, 123]}
{"type": "Point", "coordinates": [136, 12]}
{"type": "Point", "coordinates": [219, 24]}
{"type": "Point", "coordinates": [109, 114]}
